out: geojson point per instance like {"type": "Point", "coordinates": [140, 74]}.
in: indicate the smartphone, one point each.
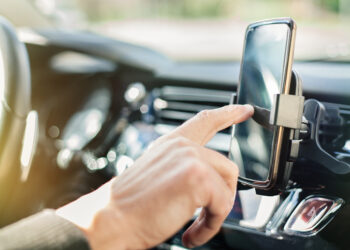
{"type": "Point", "coordinates": [266, 70]}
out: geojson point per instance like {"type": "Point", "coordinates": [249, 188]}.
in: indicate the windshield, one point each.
{"type": "Point", "coordinates": [206, 29]}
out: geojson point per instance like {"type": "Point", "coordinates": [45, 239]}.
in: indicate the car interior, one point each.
{"type": "Point", "coordinates": [78, 107]}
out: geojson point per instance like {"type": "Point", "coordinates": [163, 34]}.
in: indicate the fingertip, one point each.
{"type": "Point", "coordinates": [186, 242]}
{"type": "Point", "coordinates": [243, 108]}
{"type": "Point", "coordinates": [186, 236]}
{"type": "Point", "coordinates": [249, 108]}
{"type": "Point", "coordinates": [190, 236]}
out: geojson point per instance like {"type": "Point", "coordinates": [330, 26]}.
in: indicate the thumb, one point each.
{"type": "Point", "coordinates": [203, 126]}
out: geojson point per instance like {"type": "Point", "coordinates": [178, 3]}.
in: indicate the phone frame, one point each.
{"type": "Point", "coordinates": [281, 135]}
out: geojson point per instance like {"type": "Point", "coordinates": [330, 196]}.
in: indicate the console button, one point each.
{"type": "Point", "coordinates": [311, 215]}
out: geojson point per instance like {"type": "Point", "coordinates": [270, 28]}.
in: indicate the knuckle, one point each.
{"type": "Point", "coordinates": [193, 166]}
{"type": "Point", "coordinates": [195, 172]}
{"type": "Point", "coordinates": [192, 153]}
{"type": "Point", "coordinates": [226, 208]}
{"type": "Point", "coordinates": [198, 174]}
{"type": "Point", "coordinates": [235, 171]}
{"type": "Point", "coordinates": [204, 114]}
{"type": "Point", "coordinates": [184, 149]}
{"type": "Point", "coordinates": [180, 141]}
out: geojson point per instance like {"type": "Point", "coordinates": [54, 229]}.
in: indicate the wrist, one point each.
{"type": "Point", "coordinates": [106, 231]}
{"type": "Point", "coordinates": [101, 225]}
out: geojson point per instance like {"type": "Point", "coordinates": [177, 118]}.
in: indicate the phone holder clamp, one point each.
{"type": "Point", "coordinates": [287, 111]}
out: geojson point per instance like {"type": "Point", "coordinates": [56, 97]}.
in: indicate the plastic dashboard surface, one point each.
{"type": "Point", "coordinates": [327, 81]}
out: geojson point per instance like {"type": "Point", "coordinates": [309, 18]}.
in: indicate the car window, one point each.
{"type": "Point", "coordinates": [206, 29]}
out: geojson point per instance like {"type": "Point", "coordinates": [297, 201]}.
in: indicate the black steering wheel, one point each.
{"type": "Point", "coordinates": [15, 94]}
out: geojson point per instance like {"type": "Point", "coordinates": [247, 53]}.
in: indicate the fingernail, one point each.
{"type": "Point", "coordinates": [188, 244]}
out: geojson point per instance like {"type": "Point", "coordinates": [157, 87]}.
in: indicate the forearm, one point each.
{"type": "Point", "coordinates": [45, 230]}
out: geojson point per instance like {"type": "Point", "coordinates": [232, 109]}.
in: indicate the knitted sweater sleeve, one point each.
{"type": "Point", "coordinates": [44, 230]}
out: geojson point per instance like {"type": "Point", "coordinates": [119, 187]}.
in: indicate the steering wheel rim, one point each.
{"type": "Point", "coordinates": [15, 94]}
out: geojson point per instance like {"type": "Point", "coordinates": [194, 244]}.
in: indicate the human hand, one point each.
{"type": "Point", "coordinates": [159, 194]}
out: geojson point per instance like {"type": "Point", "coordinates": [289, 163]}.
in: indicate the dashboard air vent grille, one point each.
{"type": "Point", "coordinates": [174, 105]}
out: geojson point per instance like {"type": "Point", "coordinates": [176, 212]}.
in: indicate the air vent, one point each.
{"type": "Point", "coordinates": [174, 105]}
{"type": "Point", "coordinates": [335, 131]}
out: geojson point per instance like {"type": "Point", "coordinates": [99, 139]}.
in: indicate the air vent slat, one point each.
{"type": "Point", "coordinates": [174, 105]}
{"type": "Point", "coordinates": [344, 112]}
{"type": "Point", "coordinates": [187, 106]}
{"type": "Point", "coordinates": [195, 94]}
{"type": "Point", "coordinates": [175, 115]}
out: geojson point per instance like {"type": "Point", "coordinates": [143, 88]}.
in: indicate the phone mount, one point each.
{"type": "Point", "coordinates": [286, 113]}
{"type": "Point", "coordinates": [287, 110]}
{"type": "Point", "coordinates": [308, 121]}
{"type": "Point", "coordinates": [310, 146]}
{"type": "Point", "coordinates": [302, 122]}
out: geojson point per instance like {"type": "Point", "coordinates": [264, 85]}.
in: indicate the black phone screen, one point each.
{"type": "Point", "coordinates": [261, 77]}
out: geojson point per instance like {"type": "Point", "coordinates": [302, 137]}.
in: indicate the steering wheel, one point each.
{"type": "Point", "coordinates": [15, 94]}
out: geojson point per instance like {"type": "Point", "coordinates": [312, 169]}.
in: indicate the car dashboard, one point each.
{"type": "Point", "coordinates": [102, 102]}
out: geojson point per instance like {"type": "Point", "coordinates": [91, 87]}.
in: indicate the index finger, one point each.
{"type": "Point", "coordinates": [203, 126]}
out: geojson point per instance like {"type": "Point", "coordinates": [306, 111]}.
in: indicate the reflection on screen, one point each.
{"type": "Point", "coordinates": [261, 77]}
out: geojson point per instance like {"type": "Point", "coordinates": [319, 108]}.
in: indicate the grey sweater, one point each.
{"type": "Point", "coordinates": [41, 231]}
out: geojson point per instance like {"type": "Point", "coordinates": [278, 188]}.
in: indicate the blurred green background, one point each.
{"type": "Point", "coordinates": [206, 29]}
{"type": "Point", "coordinates": [101, 10]}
